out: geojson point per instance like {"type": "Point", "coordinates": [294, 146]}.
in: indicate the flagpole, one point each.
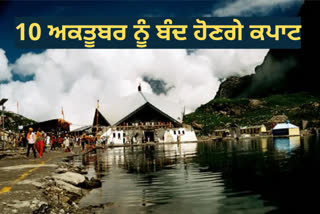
{"type": "Point", "coordinates": [62, 113]}
{"type": "Point", "coordinates": [97, 117]}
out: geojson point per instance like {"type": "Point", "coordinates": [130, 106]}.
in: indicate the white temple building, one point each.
{"type": "Point", "coordinates": [143, 117]}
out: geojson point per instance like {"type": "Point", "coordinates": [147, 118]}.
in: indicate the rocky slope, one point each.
{"type": "Point", "coordinates": [222, 112]}
{"type": "Point", "coordinates": [12, 121]}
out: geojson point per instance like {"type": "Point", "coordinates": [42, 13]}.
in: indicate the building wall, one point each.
{"type": "Point", "coordinates": [159, 135]}
{"type": "Point", "coordinates": [263, 128]}
{"type": "Point", "coordinates": [294, 131]}
{"type": "Point", "coordinates": [135, 133]}
{"type": "Point", "coordinates": [171, 135]}
{"type": "Point", "coordinates": [254, 130]}
{"type": "Point", "coordinates": [118, 137]}
{"type": "Point", "coordinates": [290, 132]}
{"type": "Point", "coordinates": [280, 132]}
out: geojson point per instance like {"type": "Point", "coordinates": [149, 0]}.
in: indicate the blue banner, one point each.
{"type": "Point", "coordinates": [155, 32]}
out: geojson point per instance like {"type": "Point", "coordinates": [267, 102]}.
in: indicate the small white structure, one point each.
{"type": "Point", "coordinates": [171, 135]}
{"type": "Point", "coordinates": [286, 129]}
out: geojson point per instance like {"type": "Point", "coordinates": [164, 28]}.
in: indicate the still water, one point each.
{"type": "Point", "coordinates": [262, 175]}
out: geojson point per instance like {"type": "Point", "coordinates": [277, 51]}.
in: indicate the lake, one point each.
{"type": "Point", "coordinates": [260, 175]}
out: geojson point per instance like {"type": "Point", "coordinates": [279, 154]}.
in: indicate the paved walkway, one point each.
{"type": "Point", "coordinates": [18, 177]}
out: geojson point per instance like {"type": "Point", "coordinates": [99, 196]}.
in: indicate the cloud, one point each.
{"type": "Point", "coordinates": [158, 86]}
{"type": "Point", "coordinates": [232, 62]}
{"type": "Point", "coordinates": [75, 79]}
{"type": "Point", "coordinates": [256, 7]}
{"type": "Point", "coordinates": [5, 73]}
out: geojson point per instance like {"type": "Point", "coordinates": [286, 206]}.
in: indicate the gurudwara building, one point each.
{"type": "Point", "coordinates": [286, 129]}
{"type": "Point", "coordinates": [143, 117]}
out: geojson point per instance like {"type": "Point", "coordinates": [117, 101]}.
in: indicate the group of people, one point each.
{"type": "Point", "coordinates": [11, 139]}
{"type": "Point", "coordinates": [38, 141]}
{"type": "Point", "coordinates": [35, 142]}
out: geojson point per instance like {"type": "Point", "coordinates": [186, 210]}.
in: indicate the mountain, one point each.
{"type": "Point", "coordinates": [285, 86]}
{"type": "Point", "coordinates": [283, 71]}
{"type": "Point", "coordinates": [12, 121]}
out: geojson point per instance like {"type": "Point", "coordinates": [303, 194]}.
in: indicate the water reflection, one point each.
{"type": "Point", "coordinates": [251, 175]}
{"type": "Point", "coordinates": [286, 143]}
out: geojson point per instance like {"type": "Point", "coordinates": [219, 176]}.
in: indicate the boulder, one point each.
{"type": "Point", "coordinates": [255, 102]}
{"type": "Point", "coordinates": [61, 170]}
{"type": "Point", "coordinates": [91, 184]}
{"type": "Point", "coordinates": [197, 125]}
{"type": "Point", "coordinates": [278, 119]}
{"type": "Point", "coordinates": [70, 177]}
{"type": "Point", "coordinates": [316, 105]}
{"type": "Point", "coordinates": [80, 170]}
{"type": "Point", "coordinates": [233, 86]}
{"type": "Point", "coordinates": [69, 188]}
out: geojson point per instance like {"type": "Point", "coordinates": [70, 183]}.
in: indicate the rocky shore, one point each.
{"type": "Point", "coordinates": [64, 189]}
{"type": "Point", "coordinates": [56, 189]}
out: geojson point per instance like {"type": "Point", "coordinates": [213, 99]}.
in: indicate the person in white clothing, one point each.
{"type": "Point", "coordinates": [48, 141]}
{"type": "Point", "coordinates": [66, 143]}
{"type": "Point", "coordinates": [31, 137]}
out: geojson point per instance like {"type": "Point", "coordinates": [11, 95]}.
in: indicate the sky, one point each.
{"type": "Point", "coordinates": [43, 81]}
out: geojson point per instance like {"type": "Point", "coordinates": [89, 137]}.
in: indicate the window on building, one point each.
{"type": "Point", "coordinates": [174, 132]}
{"type": "Point", "coordinates": [182, 131]}
{"type": "Point", "coordinates": [178, 132]}
{"type": "Point", "coordinates": [114, 134]}
{"type": "Point", "coordinates": [119, 135]}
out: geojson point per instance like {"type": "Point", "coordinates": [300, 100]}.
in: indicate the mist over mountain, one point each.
{"type": "Point", "coordinates": [283, 71]}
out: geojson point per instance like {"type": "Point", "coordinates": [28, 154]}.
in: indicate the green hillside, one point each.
{"type": "Point", "coordinates": [221, 112]}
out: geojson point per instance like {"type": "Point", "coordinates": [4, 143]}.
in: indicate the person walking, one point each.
{"type": "Point", "coordinates": [83, 142]}
{"type": "Point", "coordinates": [20, 140]}
{"type": "Point", "coordinates": [53, 142]}
{"type": "Point", "coordinates": [47, 140]}
{"type": "Point", "coordinates": [31, 138]}
{"type": "Point", "coordinates": [39, 142]}
{"type": "Point", "coordinates": [66, 143]}
{"type": "Point", "coordinates": [59, 142]}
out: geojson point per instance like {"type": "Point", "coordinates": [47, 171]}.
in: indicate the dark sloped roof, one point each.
{"type": "Point", "coordinates": [127, 106]}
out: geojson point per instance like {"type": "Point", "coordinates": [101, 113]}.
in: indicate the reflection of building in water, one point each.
{"type": "Point", "coordinates": [250, 144]}
{"type": "Point", "coordinates": [286, 129]}
{"type": "Point", "coordinates": [143, 117]}
{"type": "Point", "coordinates": [264, 144]}
{"type": "Point", "coordinates": [95, 163]}
{"type": "Point", "coordinates": [286, 143]}
{"type": "Point", "coordinates": [182, 150]}
{"type": "Point", "coordinates": [148, 158]}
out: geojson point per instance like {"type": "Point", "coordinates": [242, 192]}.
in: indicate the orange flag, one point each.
{"type": "Point", "coordinates": [62, 112]}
